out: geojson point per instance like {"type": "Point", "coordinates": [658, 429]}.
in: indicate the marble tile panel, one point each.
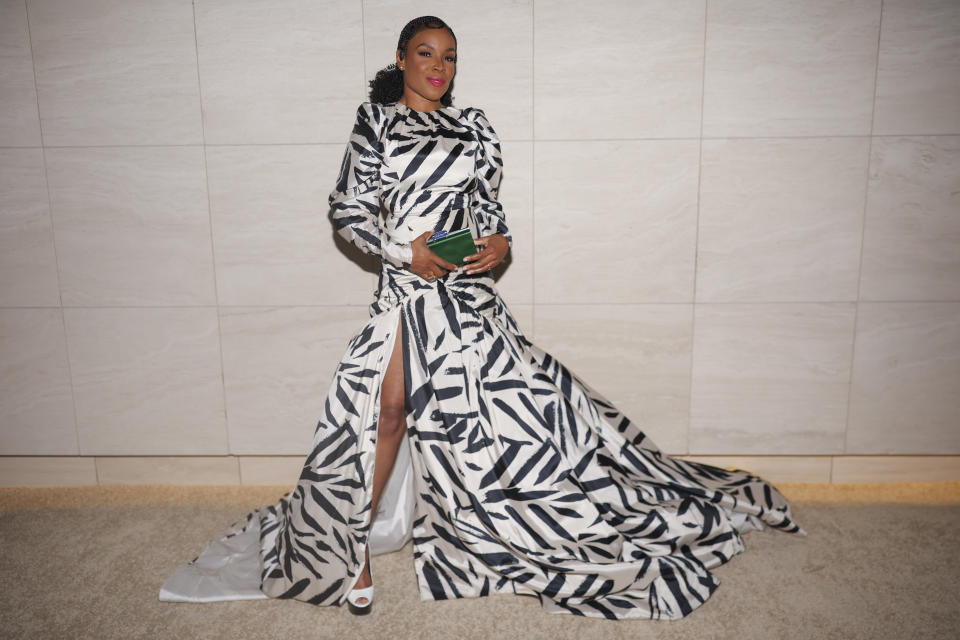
{"type": "Point", "coordinates": [288, 72]}
{"type": "Point", "coordinates": [173, 470]}
{"type": "Point", "coordinates": [278, 364]}
{"type": "Point", "coordinates": [782, 68]}
{"type": "Point", "coordinates": [36, 402]}
{"type": "Point", "coordinates": [770, 378]}
{"type": "Point", "coordinates": [615, 221]}
{"type": "Point", "coordinates": [896, 469]}
{"type": "Point", "coordinates": [281, 471]}
{"type": "Point", "coordinates": [19, 119]}
{"type": "Point", "coordinates": [147, 381]}
{"type": "Point", "coordinates": [775, 468]}
{"type": "Point", "coordinates": [911, 243]}
{"type": "Point", "coordinates": [618, 69]}
{"type": "Point", "coordinates": [919, 64]}
{"type": "Point", "coordinates": [905, 396]}
{"type": "Point", "coordinates": [43, 471]}
{"type": "Point", "coordinates": [637, 356]}
{"type": "Point", "coordinates": [494, 54]}
{"type": "Point", "coordinates": [28, 263]}
{"type": "Point", "coordinates": [132, 225]}
{"type": "Point", "coordinates": [780, 219]}
{"type": "Point", "coordinates": [116, 73]}
{"type": "Point", "coordinates": [273, 240]}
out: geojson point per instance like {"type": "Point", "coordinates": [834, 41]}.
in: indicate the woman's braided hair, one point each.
{"type": "Point", "coordinates": [387, 86]}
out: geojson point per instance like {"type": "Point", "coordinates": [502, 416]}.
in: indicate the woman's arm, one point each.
{"type": "Point", "coordinates": [489, 162]}
{"type": "Point", "coordinates": [355, 202]}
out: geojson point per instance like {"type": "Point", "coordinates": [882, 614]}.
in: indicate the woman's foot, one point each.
{"type": "Point", "coordinates": [365, 579]}
{"type": "Point", "coordinates": [360, 597]}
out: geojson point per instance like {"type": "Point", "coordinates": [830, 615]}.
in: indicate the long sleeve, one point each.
{"type": "Point", "coordinates": [489, 161]}
{"type": "Point", "coordinates": [355, 202]}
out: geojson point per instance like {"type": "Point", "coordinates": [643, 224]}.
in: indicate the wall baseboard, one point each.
{"type": "Point", "coordinates": [67, 471]}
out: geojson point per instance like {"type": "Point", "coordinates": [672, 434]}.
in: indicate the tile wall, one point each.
{"type": "Point", "coordinates": [739, 220]}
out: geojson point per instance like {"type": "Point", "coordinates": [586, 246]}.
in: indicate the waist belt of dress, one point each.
{"type": "Point", "coordinates": [449, 207]}
{"type": "Point", "coordinates": [396, 285]}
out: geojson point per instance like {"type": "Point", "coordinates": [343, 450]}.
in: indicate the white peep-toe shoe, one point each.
{"type": "Point", "coordinates": [356, 594]}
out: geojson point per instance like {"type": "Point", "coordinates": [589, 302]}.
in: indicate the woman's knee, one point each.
{"type": "Point", "coordinates": [392, 417]}
{"type": "Point", "coordinates": [392, 402]}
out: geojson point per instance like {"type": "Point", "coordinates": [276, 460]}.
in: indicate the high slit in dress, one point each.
{"type": "Point", "coordinates": [514, 475]}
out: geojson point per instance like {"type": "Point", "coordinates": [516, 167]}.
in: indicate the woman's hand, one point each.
{"type": "Point", "coordinates": [425, 262]}
{"type": "Point", "coordinates": [495, 247]}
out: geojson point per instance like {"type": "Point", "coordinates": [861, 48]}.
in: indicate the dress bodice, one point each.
{"type": "Point", "coordinates": [429, 170]}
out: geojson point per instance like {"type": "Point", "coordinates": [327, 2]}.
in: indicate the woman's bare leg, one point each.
{"type": "Point", "coordinates": [390, 430]}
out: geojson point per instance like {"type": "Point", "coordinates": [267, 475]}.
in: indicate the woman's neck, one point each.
{"type": "Point", "coordinates": [419, 104]}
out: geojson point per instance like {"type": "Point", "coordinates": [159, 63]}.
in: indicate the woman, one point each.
{"type": "Point", "coordinates": [526, 479]}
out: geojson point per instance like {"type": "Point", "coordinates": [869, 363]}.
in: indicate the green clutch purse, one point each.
{"type": "Point", "coordinates": [453, 246]}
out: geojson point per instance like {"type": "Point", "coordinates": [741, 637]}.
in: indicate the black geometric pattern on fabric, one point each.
{"type": "Point", "coordinates": [527, 479]}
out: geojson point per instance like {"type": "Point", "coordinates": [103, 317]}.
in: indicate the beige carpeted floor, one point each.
{"type": "Point", "coordinates": [880, 561]}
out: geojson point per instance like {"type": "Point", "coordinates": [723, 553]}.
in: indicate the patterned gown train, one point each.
{"type": "Point", "coordinates": [519, 477]}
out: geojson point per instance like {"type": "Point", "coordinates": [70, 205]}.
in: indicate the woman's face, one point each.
{"type": "Point", "coordinates": [428, 66]}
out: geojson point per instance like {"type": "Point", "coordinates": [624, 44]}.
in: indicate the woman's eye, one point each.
{"type": "Point", "coordinates": [425, 53]}
{"type": "Point", "coordinates": [452, 59]}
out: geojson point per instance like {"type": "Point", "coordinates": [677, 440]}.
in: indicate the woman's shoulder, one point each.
{"type": "Point", "coordinates": [372, 118]}
{"type": "Point", "coordinates": [477, 120]}
{"type": "Point", "coordinates": [369, 109]}
{"type": "Point", "coordinates": [367, 105]}
{"type": "Point", "coordinates": [378, 113]}
{"type": "Point", "coordinates": [473, 114]}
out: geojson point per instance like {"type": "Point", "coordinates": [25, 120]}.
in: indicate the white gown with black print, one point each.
{"type": "Point", "coordinates": [514, 475]}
